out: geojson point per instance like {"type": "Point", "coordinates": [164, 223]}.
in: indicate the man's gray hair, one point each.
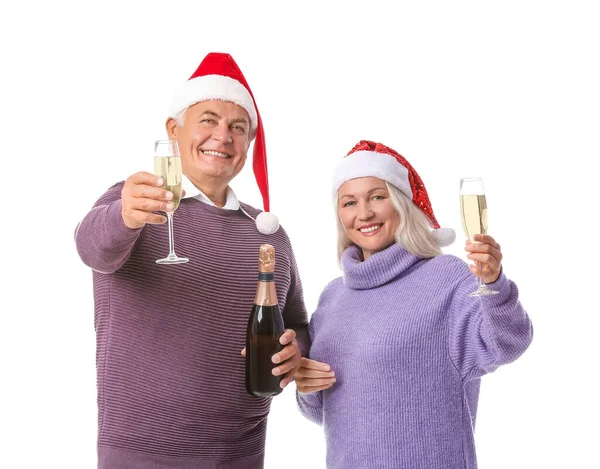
{"type": "Point", "coordinates": [180, 117]}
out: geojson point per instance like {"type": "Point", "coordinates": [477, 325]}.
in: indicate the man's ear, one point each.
{"type": "Point", "coordinates": [171, 126]}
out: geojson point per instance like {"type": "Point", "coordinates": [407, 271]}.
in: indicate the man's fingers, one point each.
{"type": "Point", "coordinates": [144, 177]}
{"type": "Point", "coordinates": [143, 194]}
{"type": "Point", "coordinates": [286, 353]}
{"type": "Point", "coordinates": [141, 217]}
{"type": "Point", "coordinates": [150, 205]}
{"type": "Point", "coordinates": [142, 191]}
{"type": "Point", "coordinates": [287, 379]}
{"type": "Point", "coordinates": [287, 336]}
{"type": "Point", "coordinates": [285, 367]}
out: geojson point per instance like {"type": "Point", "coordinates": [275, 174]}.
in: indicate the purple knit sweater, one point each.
{"type": "Point", "coordinates": [171, 390]}
{"type": "Point", "coordinates": [409, 348]}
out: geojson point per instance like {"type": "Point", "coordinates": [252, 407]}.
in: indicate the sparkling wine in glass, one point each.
{"type": "Point", "coordinates": [474, 214]}
{"type": "Point", "coordinates": [167, 164]}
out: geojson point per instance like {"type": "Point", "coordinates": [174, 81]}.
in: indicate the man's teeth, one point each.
{"type": "Point", "coordinates": [371, 228]}
{"type": "Point", "coordinates": [216, 153]}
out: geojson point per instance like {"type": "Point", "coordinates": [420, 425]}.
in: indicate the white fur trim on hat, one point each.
{"type": "Point", "coordinates": [207, 87]}
{"type": "Point", "coordinates": [444, 236]}
{"type": "Point", "coordinates": [370, 163]}
{"type": "Point", "coordinates": [267, 223]}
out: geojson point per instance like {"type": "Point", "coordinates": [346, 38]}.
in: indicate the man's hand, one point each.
{"type": "Point", "coordinates": [142, 194]}
{"type": "Point", "coordinates": [288, 358]}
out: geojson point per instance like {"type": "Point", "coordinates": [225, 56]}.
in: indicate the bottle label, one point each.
{"type": "Point", "coordinates": [266, 276]}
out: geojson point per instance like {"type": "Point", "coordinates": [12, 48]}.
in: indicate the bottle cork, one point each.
{"type": "Point", "coordinates": [266, 258]}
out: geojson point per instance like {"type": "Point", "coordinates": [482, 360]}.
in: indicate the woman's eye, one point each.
{"type": "Point", "coordinates": [349, 203]}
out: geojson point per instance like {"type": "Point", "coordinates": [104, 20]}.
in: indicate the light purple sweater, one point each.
{"type": "Point", "coordinates": [171, 389]}
{"type": "Point", "coordinates": [409, 348]}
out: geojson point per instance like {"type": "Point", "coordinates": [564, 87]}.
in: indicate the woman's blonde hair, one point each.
{"type": "Point", "coordinates": [413, 233]}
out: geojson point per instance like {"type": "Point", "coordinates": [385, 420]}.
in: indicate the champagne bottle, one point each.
{"type": "Point", "coordinates": [265, 327]}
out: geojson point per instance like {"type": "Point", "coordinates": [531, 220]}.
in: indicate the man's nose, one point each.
{"type": "Point", "coordinates": [222, 134]}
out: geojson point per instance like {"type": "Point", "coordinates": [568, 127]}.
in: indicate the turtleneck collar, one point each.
{"type": "Point", "coordinates": [378, 269]}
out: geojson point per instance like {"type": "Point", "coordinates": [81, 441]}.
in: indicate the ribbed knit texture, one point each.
{"type": "Point", "coordinates": [171, 389]}
{"type": "Point", "coordinates": [408, 347]}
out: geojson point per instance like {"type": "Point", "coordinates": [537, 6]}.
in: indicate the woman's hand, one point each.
{"type": "Point", "coordinates": [313, 376]}
{"type": "Point", "coordinates": [486, 254]}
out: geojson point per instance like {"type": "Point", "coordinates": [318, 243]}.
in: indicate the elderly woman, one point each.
{"type": "Point", "coordinates": [398, 345]}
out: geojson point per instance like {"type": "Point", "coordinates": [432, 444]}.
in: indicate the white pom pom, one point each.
{"type": "Point", "coordinates": [267, 223]}
{"type": "Point", "coordinates": [444, 236]}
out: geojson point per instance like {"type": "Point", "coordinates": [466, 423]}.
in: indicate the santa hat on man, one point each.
{"type": "Point", "coordinates": [375, 159]}
{"type": "Point", "coordinates": [219, 77]}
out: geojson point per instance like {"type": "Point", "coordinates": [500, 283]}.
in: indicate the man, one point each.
{"type": "Point", "coordinates": [171, 388]}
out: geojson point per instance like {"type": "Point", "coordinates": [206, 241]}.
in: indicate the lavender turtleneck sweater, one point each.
{"type": "Point", "coordinates": [409, 348]}
{"type": "Point", "coordinates": [171, 389]}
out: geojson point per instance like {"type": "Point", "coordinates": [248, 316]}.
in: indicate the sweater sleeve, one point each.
{"type": "Point", "coordinates": [311, 405]}
{"type": "Point", "coordinates": [103, 241]}
{"type": "Point", "coordinates": [294, 314]}
{"type": "Point", "coordinates": [487, 332]}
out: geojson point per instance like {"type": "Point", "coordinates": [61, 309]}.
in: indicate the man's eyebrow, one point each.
{"type": "Point", "coordinates": [240, 119]}
{"type": "Point", "coordinates": [233, 121]}
{"type": "Point", "coordinates": [210, 113]}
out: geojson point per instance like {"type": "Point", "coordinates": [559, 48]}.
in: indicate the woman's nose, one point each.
{"type": "Point", "coordinates": [364, 212]}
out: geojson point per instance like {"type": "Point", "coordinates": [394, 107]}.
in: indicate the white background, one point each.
{"type": "Point", "coordinates": [505, 90]}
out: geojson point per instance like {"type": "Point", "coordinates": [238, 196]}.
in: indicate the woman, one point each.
{"type": "Point", "coordinates": [398, 346]}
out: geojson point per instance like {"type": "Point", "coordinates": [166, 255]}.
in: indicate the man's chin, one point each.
{"type": "Point", "coordinates": [204, 172]}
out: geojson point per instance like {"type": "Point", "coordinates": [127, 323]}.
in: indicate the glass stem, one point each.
{"type": "Point", "coordinates": [481, 282]}
{"type": "Point", "coordinates": [171, 240]}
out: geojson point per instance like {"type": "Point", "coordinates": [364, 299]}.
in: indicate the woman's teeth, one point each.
{"type": "Point", "coordinates": [370, 228]}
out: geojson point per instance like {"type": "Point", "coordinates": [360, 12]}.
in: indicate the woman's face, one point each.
{"type": "Point", "coordinates": [367, 214]}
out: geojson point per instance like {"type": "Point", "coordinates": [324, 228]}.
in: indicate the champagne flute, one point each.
{"type": "Point", "coordinates": [474, 214]}
{"type": "Point", "coordinates": [167, 164]}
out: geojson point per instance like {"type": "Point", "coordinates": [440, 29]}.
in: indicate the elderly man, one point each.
{"type": "Point", "coordinates": [171, 389]}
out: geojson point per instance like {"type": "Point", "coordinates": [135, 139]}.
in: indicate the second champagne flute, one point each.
{"type": "Point", "coordinates": [167, 164]}
{"type": "Point", "coordinates": [474, 214]}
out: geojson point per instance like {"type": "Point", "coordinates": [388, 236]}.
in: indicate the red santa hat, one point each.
{"type": "Point", "coordinates": [375, 159]}
{"type": "Point", "coordinates": [219, 77]}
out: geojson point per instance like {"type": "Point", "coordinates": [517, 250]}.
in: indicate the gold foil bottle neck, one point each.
{"type": "Point", "coordinates": [266, 258]}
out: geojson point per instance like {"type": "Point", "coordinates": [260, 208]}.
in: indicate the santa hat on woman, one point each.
{"type": "Point", "coordinates": [219, 77]}
{"type": "Point", "coordinates": [375, 159]}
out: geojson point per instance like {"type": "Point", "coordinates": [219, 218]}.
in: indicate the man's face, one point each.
{"type": "Point", "coordinates": [213, 140]}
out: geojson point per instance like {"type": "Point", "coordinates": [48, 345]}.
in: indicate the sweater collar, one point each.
{"type": "Point", "coordinates": [191, 191]}
{"type": "Point", "coordinates": [378, 269]}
